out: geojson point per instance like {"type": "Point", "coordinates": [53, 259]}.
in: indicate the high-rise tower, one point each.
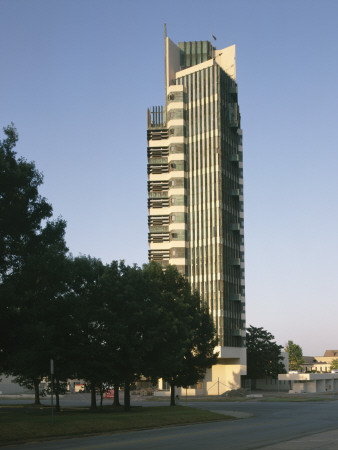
{"type": "Point", "coordinates": [195, 190]}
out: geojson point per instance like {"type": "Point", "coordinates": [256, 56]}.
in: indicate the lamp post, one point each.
{"type": "Point", "coordinates": [52, 387]}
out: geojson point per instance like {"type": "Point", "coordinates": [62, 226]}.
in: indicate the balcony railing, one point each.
{"type": "Point", "coordinates": [157, 117]}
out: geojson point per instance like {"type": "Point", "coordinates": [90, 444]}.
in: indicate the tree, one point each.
{"type": "Point", "coordinates": [185, 341]}
{"type": "Point", "coordinates": [26, 239]}
{"type": "Point", "coordinates": [88, 332]}
{"type": "Point", "coordinates": [22, 209]}
{"type": "Point", "coordinates": [29, 301]}
{"type": "Point", "coordinates": [32, 250]}
{"type": "Point", "coordinates": [334, 364]}
{"type": "Point", "coordinates": [295, 355]}
{"type": "Point", "coordinates": [264, 357]}
{"type": "Point", "coordinates": [138, 326]}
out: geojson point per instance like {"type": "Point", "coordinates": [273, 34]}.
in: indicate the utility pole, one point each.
{"type": "Point", "coordinates": [52, 387]}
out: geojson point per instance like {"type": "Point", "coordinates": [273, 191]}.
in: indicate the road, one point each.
{"type": "Point", "coordinates": [270, 425]}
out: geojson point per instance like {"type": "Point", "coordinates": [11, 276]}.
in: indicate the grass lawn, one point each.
{"type": "Point", "coordinates": [24, 423]}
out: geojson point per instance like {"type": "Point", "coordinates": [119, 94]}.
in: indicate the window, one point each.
{"type": "Point", "coordinates": [172, 131]}
{"type": "Point", "coordinates": [173, 200]}
{"type": "Point", "coordinates": [171, 97]}
{"type": "Point", "coordinates": [165, 385]}
{"type": "Point", "coordinates": [173, 218]}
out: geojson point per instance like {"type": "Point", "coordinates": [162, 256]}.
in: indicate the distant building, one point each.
{"type": "Point", "coordinates": [195, 192]}
{"type": "Point", "coordinates": [319, 363]}
{"type": "Point", "coordinates": [8, 386]}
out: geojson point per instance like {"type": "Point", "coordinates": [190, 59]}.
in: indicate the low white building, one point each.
{"type": "Point", "coordinates": [311, 382]}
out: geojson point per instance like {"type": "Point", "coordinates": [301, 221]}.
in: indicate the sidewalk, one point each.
{"type": "Point", "coordinates": [319, 441]}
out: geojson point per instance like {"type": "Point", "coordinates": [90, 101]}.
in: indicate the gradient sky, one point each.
{"type": "Point", "coordinates": [77, 77]}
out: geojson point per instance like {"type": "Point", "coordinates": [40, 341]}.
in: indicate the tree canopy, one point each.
{"type": "Point", "coordinates": [295, 355]}
{"type": "Point", "coordinates": [22, 209]}
{"type": "Point", "coordinates": [334, 364]}
{"type": "Point", "coordinates": [105, 323]}
{"type": "Point", "coordinates": [186, 336]}
{"type": "Point", "coordinates": [264, 358]}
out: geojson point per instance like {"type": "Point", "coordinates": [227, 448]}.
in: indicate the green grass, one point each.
{"type": "Point", "coordinates": [24, 423]}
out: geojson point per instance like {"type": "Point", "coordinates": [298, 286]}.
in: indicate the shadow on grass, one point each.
{"type": "Point", "coordinates": [24, 423]}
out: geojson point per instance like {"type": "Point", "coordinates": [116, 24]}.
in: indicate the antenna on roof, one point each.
{"type": "Point", "coordinates": [213, 38]}
{"type": "Point", "coordinates": [166, 81]}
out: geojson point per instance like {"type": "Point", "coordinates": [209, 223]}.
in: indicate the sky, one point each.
{"type": "Point", "coordinates": [77, 77]}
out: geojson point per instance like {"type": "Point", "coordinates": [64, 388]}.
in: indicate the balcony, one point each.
{"type": "Point", "coordinates": [159, 229]}
{"type": "Point", "coordinates": [235, 226]}
{"type": "Point", "coordinates": [158, 186]}
{"type": "Point", "coordinates": [158, 160]}
{"type": "Point", "coordinates": [157, 117]}
{"type": "Point", "coordinates": [236, 297]}
{"type": "Point", "coordinates": [237, 332]}
{"type": "Point", "coordinates": [235, 192]}
{"type": "Point", "coordinates": [158, 221]}
{"type": "Point", "coordinates": [235, 157]}
{"type": "Point", "coordinates": [158, 238]}
{"type": "Point", "coordinates": [236, 262]}
{"type": "Point", "coordinates": [233, 92]}
{"type": "Point", "coordinates": [158, 203]}
{"type": "Point", "coordinates": [158, 194]}
{"type": "Point", "coordinates": [233, 115]}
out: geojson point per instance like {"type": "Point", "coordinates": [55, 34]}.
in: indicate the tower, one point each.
{"type": "Point", "coordinates": [195, 191]}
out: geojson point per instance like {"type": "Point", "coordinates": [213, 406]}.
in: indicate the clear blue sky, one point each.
{"type": "Point", "coordinates": [76, 78]}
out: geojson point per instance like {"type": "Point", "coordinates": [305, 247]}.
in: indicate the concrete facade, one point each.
{"type": "Point", "coordinates": [10, 387]}
{"type": "Point", "coordinates": [195, 191]}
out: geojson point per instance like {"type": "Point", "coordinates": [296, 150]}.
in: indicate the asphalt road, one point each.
{"type": "Point", "coordinates": [270, 425]}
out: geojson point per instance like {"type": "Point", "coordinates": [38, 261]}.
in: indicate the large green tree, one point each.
{"type": "Point", "coordinates": [264, 357]}
{"type": "Point", "coordinates": [88, 332]}
{"type": "Point", "coordinates": [22, 209]}
{"type": "Point", "coordinates": [295, 355]}
{"type": "Point", "coordinates": [32, 249]}
{"type": "Point", "coordinates": [29, 303]}
{"type": "Point", "coordinates": [185, 339]}
{"type": "Point", "coordinates": [138, 327]}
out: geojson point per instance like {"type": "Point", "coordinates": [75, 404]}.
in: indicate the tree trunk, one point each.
{"type": "Point", "coordinates": [126, 396]}
{"type": "Point", "coordinates": [116, 402]}
{"type": "Point", "coordinates": [93, 406]}
{"type": "Point", "coordinates": [101, 395]}
{"type": "Point", "coordinates": [36, 392]}
{"type": "Point", "coordinates": [57, 395]}
{"type": "Point", "coordinates": [172, 394]}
